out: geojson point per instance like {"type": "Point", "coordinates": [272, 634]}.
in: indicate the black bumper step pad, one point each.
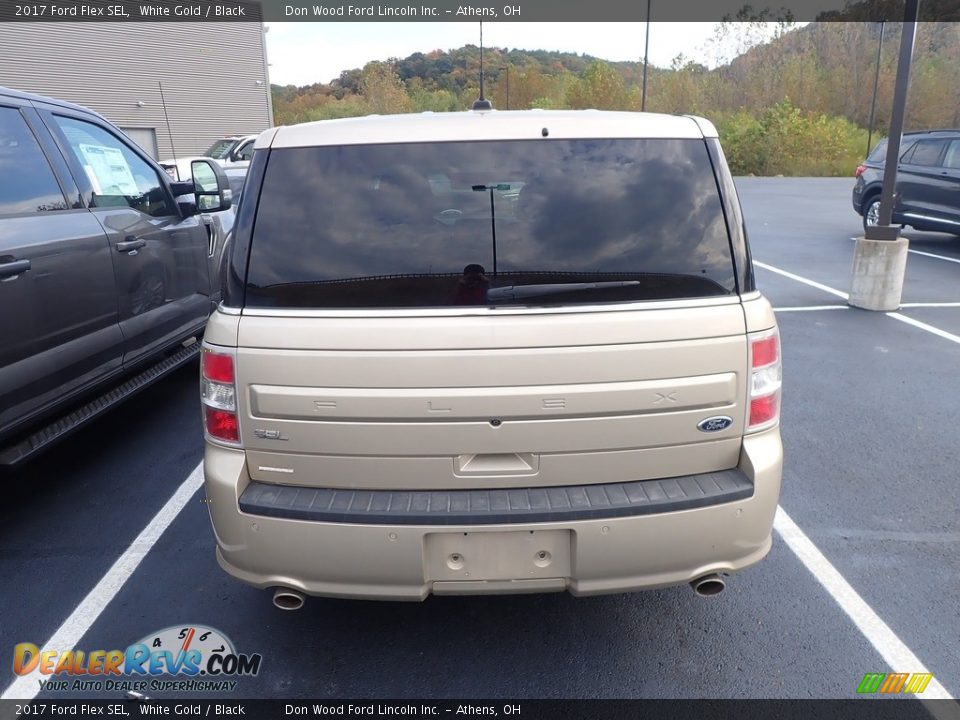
{"type": "Point", "coordinates": [494, 506]}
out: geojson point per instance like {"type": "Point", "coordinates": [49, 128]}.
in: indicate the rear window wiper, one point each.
{"type": "Point", "coordinates": [519, 292]}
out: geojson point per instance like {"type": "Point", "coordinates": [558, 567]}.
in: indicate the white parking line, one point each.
{"type": "Point", "coordinates": [799, 279]}
{"type": "Point", "coordinates": [928, 254]}
{"type": "Point", "coordinates": [891, 648]}
{"type": "Point", "coordinates": [895, 315]}
{"type": "Point", "coordinates": [933, 255]}
{"type": "Point", "coordinates": [809, 308]}
{"type": "Point", "coordinates": [923, 326]}
{"type": "Point", "coordinates": [92, 606]}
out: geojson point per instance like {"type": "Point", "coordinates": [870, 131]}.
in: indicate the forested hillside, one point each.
{"type": "Point", "coordinates": [797, 105]}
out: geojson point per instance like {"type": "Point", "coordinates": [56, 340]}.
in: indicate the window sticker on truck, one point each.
{"type": "Point", "coordinates": [108, 170]}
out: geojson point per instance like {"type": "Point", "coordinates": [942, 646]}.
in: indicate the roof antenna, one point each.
{"type": "Point", "coordinates": [163, 102]}
{"type": "Point", "coordinates": [481, 103]}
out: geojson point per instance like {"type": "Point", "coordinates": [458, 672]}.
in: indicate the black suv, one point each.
{"type": "Point", "coordinates": [107, 268]}
{"type": "Point", "coordinates": [928, 182]}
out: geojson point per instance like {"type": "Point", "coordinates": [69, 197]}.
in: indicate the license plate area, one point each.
{"type": "Point", "coordinates": [514, 555]}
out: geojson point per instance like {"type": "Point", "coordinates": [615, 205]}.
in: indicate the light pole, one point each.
{"type": "Point", "coordinates": [876, 84]}
{"type": "Point", "coordinates": [508, 86]}
{"type": "Point", "coordinates": [907, 36]}
{"type": "Point", "coordinates": [493, 215]}
{"type": "Point", "coordinates": [646, 55]}
{"type": "Point", "coordinates": [880, 256]}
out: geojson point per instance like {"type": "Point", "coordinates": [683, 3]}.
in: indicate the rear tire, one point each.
{"type": "Point", "coordinates": [871, 212]}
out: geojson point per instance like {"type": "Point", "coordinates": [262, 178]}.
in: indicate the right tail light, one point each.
{"type": "Point", "coordinates": [766, 373]}
{"type": "Point", "coordinates": [218, 394]}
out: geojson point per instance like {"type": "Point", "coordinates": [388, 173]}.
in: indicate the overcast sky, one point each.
{"type": "Point", "coordinates": [311, 52]}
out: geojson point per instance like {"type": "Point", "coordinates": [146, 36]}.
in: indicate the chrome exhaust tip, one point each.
{"type": "Point", "coordinates": [287, 599]}
{"type": "Point", "coordinates": [708, 585]}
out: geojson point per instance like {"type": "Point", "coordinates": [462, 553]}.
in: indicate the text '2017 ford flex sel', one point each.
{"type": "Point", "coordinates": [490, 352]}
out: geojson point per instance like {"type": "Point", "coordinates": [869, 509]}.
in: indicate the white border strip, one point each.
{"type": "Point", "coordinates": [891, 648]}
{"type": "Point", "coordinates": [92, 606]}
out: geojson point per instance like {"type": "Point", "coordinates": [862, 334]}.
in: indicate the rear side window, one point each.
{"type": "Point", "coordinates": [879, 154]}
{"type": "Point", "coordinates": [952, 158]}
{"type": "Point", "coordinates": [27, 184]}
{"type": "Point", "coordinates": [926, 153]}
{"type": "Point", "coordinates": [547, 222]}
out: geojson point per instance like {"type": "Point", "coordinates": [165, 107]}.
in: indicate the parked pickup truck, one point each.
{"type": "Point", "coordinates": [108, 269]}
{"type": "Point", "coordinates": [232, 152]}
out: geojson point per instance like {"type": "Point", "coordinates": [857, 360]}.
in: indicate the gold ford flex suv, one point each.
{"type": "Point", "coordinates": [490, 352]}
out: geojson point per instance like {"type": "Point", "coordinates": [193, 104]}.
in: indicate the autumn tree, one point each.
{"type": "Point", "coordinates": [601, 87]}
{"type": "Point", "coordinates": [382, 90]}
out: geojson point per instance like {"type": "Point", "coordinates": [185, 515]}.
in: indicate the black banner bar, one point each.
{"type": "Point", "coordinates": [466, 10]}
{"type": "Point", "coordinates": [853, 709]}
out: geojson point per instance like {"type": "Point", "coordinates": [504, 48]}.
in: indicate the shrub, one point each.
{"type": "Point", "coordinates": [784, 140]}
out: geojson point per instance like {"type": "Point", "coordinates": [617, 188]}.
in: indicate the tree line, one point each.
{"type": "Point", "coordinates": [798, 104]}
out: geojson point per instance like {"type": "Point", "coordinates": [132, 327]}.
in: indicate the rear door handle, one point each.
{"type": "Point", "coordinates": [14, 268]}
{"type": "Point", "coordinates": [131, 244]}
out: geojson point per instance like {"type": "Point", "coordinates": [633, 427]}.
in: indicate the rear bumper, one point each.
{"type": "Point", "coordinates": [858, 194]}
{"type": "Point", "coordinates": [856, 199]}
{"type": "Point", "coordinates": [408, 560]}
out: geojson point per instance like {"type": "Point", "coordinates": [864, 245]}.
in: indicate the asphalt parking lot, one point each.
{"type": "Point", "coordinates": [872, 448]}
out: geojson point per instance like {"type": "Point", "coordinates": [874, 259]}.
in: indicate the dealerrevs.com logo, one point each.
{"type": "Point", "coordinates": [200, 657]}
{"type": "Point", "coordinates": [893, 683]}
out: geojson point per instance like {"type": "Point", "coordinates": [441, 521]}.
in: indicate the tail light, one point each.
{"type": "Point", "coordinates": [859, 171]}
{"type": "Point", "coordinates": [766, 373]}
{"type": "Point", "coordinates": [218, 394]}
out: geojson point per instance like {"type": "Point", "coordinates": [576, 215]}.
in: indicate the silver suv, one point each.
{"type": "Point", "coordinates": [490, 352]}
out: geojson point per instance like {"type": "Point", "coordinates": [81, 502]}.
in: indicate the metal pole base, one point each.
{"type": "Point", "coordinates": [878, 270]}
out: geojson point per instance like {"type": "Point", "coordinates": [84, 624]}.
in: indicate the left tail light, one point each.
{"type": "Point", "coordinates": [859, 171]}
{"type": "Point", "coordinates": [218, 394]}
{"type": "Point", "coordinates": [766, 373]}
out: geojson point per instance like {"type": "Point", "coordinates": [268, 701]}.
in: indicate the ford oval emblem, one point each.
{"type": "Point", "coordinates": [715, 424]}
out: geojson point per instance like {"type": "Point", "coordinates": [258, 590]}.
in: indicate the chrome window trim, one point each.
{"type": "Point", "coordinates": [489, 312]}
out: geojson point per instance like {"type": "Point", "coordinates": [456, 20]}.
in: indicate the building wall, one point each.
{"type": "Point", "coordinates": [214, 76]}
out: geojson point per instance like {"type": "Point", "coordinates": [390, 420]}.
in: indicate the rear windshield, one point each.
{"type": "Point", "coordinates": [220, 149]}
{"type": "Point", "coordinates": [546, 222]}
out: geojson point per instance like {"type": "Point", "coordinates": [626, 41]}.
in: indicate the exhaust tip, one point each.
{"type": "Point", "coordinates": [708, 585]}
{"type": "Point", "coordinates": [286, 599]}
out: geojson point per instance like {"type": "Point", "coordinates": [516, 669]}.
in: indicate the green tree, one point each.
{"type": "Point", "coordinates": [601, 87]}
{"type": "Point", "coordinates": [383, 91]}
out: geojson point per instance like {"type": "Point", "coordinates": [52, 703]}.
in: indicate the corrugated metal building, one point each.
{"type": "Point", "coordinates": [214, 76]}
